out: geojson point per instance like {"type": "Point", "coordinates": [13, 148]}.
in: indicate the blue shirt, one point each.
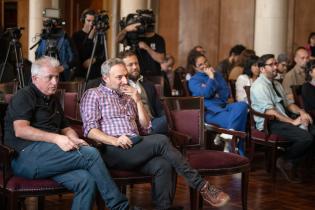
{"type": "Point", "coordinates": [215, 91]}
{"type": "Point", "coordinates": [264, 97]}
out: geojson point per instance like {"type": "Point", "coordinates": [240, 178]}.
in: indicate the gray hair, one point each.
{"type": "Point", "coordinates": [44, 61]}
{"type": "Point", "coordinates": [108, 64]}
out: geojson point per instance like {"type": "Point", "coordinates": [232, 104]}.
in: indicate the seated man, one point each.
{"type": "Point", "coordinates": [267, 96]}
{"type": "Point", "coordinates": [146, 89]}
{"type": "Point", "coordinates": [114, 115]}
{"type": "Point", "coordinates": [48, 148]}
{"type": "Point", "coordinates": [296, 76]}
{"type": "Point", "coordinates": [211, 85]}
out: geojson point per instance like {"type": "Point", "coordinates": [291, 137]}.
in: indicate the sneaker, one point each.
{"type": "Point", "coordinates": [217, 139]}
{"type": "Point", "coordinates": [226, 136]}
{"type": "Point", "coordinates": [213, 195]}
{"type": "Point", "coordinates": [227, 146]}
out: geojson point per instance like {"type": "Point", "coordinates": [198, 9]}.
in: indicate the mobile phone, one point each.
{"type": "Point", "coordinates": [135, 139]}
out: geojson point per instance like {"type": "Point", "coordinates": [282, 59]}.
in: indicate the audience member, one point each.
{"type": "Point", "coordinates": [296, 76]}
{"type": "Point", "coordinates": [84, 41]}
{"type": "Point", "coordinates": [147, 92]}
{"type": "Point", "coordinates": [210, 84]}
{"type": "Point", "coordinates": [267, 96]}
{"type": "Point", "coordinates": [238, 68]}
{"type": "Point", "coordinates": [114, 115]}
{"type": "Point", "coordinates": [282, 68]}
{"type": "Point", "coordinates": [311, 45]}
{"type": "Point", "coordinates": [150, 49]}
{"type": "Point", "coordinates": [251, 73]}
{"type": "Point", "coordinates": [308, 88]}
{"type": "Point", "coordinates": [190, 71]}
{"type": "Point", "coordinates": [225, 66]}
{"type": "Point", "coordinates": [48, 148]}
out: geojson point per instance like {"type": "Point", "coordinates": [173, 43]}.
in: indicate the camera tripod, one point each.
{"type": "Point", "coordinates": [99, 36]}
{"type": "Point", "coordinates": [18, 60]}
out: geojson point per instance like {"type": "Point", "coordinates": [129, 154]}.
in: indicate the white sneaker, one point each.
{"type": "Point", "coordinates": [226, 136]}
{"type": "Point", "coordinates": [217, 139]}
{"type": "Point", "coordinates": [227, 146]}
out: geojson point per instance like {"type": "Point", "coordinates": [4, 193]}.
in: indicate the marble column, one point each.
{"type": "Point", "coordinates": [271, 26]}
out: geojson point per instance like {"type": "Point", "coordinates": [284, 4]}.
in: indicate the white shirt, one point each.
{"type": "Point", "coordinates": [242, 80]}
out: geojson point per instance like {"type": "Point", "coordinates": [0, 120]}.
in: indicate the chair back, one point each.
{"type": "Point", "coordinates": [72, 96]}
{"type": "Point", "coordinates": [297, 95]}
{"type": "Point", "coordinates": [8, 89]}
{"type": "Point", "coordinates": [186, 115]}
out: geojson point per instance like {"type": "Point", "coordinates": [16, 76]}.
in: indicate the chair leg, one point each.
{"type": "Point", "coordinates": [41, 202]}
{"type": "Point", "coordinates": [194, 199]}
{"type": "Point", "coordinates": [252, 153]}
{"type": "Point", "coordinates": [245, 176]}
{"type": "Point", "coordinates": [273, 163]}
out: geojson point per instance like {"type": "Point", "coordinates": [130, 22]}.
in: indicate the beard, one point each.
{"type": "Point", "coordinates": [134, 76]}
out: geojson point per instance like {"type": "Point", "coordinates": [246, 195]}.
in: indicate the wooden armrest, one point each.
{"type": "Point", "coordinates": [74, 121]}
{"type": "Point", "coordinates": [217, 129]}
{"type": "Point", "coordinates": [6, 155]}
{"type": "Point", "coordinates": [93, 143]}
{"type": "Point", "coordinates": [180, 139]}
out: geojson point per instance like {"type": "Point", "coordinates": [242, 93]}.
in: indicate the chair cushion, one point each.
{"type": "Point", "coordinates": [260, 135]}
{"type": "Point", "coordinates": [16, 183]}
{"type": "Point", "coordinates": [210, 159]}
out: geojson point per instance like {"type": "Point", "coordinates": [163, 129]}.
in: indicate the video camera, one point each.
{"type": "Point", "coordinates": [101, 21]}
{"type": "Point", "coordinates": [52, 24]}
{"type": "Point", "coordinates": [14, 33]}
{"type": "Point", "coordinates": [147, 20]}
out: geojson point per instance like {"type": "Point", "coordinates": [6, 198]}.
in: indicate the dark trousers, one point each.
{"type": "Point", "coordinates": [301, 141]}
{"type": "Point", "coordinates": [154, 155]}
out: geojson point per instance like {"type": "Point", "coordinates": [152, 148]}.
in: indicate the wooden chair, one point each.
{"type": "Point", "coordinates": [185, 116]}
{"type": "Point", "coordinates": [271, 142]}
{"type": "Point", "coordinates": [216, 129]}
{"type": "Point", "coordinates": [72, 96]}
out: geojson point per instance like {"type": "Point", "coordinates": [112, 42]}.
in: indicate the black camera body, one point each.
{"type": "Point", "coordinates": [101, 21]}
{"type": "Point", "coordinates": [14, 33]}
{"type": "Point", "coordinates": [52, 24]}
{"type": "Point", "coordinates": [147, 20]}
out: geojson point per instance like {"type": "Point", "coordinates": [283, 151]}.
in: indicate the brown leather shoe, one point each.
{"type": "Point", "coordinates": [213, 195]}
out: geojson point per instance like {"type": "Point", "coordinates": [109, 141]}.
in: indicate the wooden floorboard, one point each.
{"type": "Point", "coordinates": [263, 194]}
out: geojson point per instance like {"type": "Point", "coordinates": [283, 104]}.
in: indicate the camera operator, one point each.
{"type": "Point", "coordinates": [83, 40]}
{"type": "Point", "coordinates": [55, 43]}
{"type": "Point", "coordinates": [150, 47]}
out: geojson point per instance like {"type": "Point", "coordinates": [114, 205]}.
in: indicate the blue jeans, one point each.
{"type": "Point", "coordinates": [159, 125]}
{"type": "Point", "coordinates": [79, 171]}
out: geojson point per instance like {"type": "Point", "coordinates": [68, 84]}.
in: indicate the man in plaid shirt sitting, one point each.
{"type": "Point", "coordinates": [114, 115]}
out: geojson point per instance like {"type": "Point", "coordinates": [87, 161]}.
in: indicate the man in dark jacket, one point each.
{"type": "Point", "coordinates": [147, 91]}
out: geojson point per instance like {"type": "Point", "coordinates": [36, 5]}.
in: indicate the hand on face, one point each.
{"type": "Point", "coordinates": [131, 92]}
{"type": "Point", "coordinates": [209, 71]}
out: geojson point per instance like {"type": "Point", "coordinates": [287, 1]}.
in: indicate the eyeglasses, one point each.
{"type": "Point", "coordinates": [199, 65]}
{"type": "Point", "coordinates": [271, 64]}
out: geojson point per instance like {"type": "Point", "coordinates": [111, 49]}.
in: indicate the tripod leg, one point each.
{"type": "Point", "coordinates": [90, 64]}
{"type": "Point", "coordinates": [19, 64]}
{"type": "Point", "coordinates": [5, 62]}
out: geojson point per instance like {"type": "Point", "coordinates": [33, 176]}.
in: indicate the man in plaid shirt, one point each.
{"type": "Point", "coordinates": [114, 115]}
